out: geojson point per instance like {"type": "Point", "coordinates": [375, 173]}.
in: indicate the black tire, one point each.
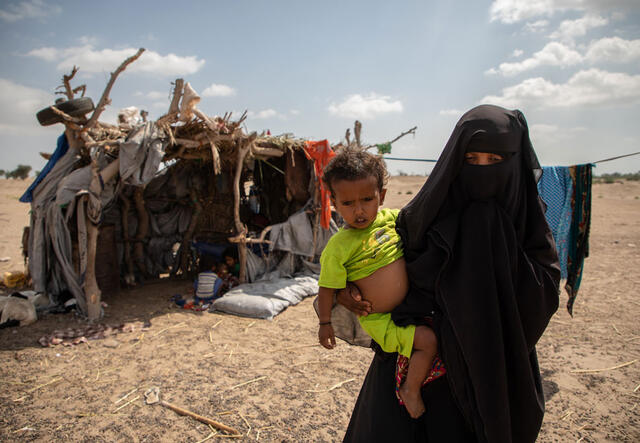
{"type": "Point", "coordinates": [75, 108]}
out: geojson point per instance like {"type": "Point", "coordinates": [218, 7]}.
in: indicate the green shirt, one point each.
{"type": "Point", "coordinates": [352, 254]}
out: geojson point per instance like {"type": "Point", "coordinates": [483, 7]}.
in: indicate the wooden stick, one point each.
{"type": "Point", "coordinates": [66, 82]}
{"type": "Point", "coordinates": [166, 329]}
{"type": "Point", "coordinates": [215, 156]}
{"type": "Point", "coordinates": [67, 118]}
{"type": "Point", "coordinates": [586, 371]}
{"type": "Point", "coordinates": [126, 395]}
{"type": "Point", "coordinates": [104, 100]}
{"type": "Point", "coordinates": [208, 437]}
{"type": "Point", "coordinates": [410, 131]}
{"type": "Point", "coordinates": [247, 382]}
{"type": "Point", "coordinates": [336, 386]}
{"type": "Point", "coordinates": [198, 417]}
{"type": "Point", "coordinates": [177, 95]}
{"type": "Point", "coordinates": [243, 148]}
{"type": "Point", "coordinates": [126, 404]}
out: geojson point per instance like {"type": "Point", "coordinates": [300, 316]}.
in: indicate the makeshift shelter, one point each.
{"type": "Point", "coordinates": [134, 201]}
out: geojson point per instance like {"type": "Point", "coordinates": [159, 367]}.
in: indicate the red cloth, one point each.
{"type": "Point", "coordinates": [320, 152]}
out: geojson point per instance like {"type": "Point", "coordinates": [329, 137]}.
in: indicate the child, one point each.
{"type": "Point", "coordinates": [228, 280]}
{"type": "Point", "coordinates": [230, 256]}
{"type": "Point", "coordinates": [368, 253]}
{"type": "Point", "coordinates": [208, 284]}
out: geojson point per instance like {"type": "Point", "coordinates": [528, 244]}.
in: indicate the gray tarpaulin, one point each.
{"type": "Point", "coordinates": [296, 235]}
{"type": "Point", "coordinates": [141, 154]}
{"type": "Point", "coordinates": [64, 193]}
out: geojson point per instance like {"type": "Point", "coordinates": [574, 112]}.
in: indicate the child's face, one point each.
{"type": "Point", "coordinates": [230, 261]}
{"type": "Point", "coordinates": [357, 201]}
{"type": "Point", "coordinates": [222, 269]}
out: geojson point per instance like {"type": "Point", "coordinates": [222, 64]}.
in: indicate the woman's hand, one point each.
{"type": "Point", "coordinates": [351, 298]}
{"type": "Point", "coordinates": [326, 336]}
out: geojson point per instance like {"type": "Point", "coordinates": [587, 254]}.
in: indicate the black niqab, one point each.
{"type": "Point", "coordinates": [482, 264]}
{"type": "Point", "coordinates": [498, 286]}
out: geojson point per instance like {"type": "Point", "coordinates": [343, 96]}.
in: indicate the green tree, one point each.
{"type": "Point", "coordinates": [21, 172]}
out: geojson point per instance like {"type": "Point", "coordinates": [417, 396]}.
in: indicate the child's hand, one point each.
{"type": "Point", "coordinates": [326, 336]}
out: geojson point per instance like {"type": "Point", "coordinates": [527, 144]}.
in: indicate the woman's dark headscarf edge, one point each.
{"type": "Point", "coordinates": [423, 209]}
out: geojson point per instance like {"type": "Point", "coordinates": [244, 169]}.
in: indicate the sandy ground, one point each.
{"type": "Point", "coordinates": [270, 380]}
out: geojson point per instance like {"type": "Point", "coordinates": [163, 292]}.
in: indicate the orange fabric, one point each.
{"type": "Point", "coordinates": [320, 152]}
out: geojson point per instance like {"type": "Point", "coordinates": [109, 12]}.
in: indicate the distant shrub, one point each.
{"type": "Point", "coordinates": [616, 176]}
{"type": "Point", "coordinates": [21, 172]}
{"type": "Point", "coordinates": [2, 172]}
{"type": "Point", "coordinates": [402, 174]}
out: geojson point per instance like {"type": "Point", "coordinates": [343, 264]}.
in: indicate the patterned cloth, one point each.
{"type": "Point", "coordinates": [579, 231]}
{"type": "Point", "coordinates": [556, 190]}
{"type": "Point", "coordinates": [402, 368]}
{"type": "Point", "coordinates": [320, 152]}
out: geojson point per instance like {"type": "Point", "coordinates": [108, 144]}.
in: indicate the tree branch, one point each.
{"type": "Point", "coordinates": [104, 100]}
{"type": "Point", "coordinates": [410, 131]}
{"type": "Point", "coordinates": [66, 81]}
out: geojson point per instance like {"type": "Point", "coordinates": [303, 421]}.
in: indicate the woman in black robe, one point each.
{"type": "Point", "coordinates": [483, 271]}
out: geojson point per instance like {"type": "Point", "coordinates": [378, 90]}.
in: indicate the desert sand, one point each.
{"type": "Point", "coordinates": [272, 382]}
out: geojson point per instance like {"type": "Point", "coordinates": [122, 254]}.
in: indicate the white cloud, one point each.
{"type": "Point", "coordinates": [613, 49]}
{"type": "Point", "coordinates": [18, 107]}
{"type": "Point", "coordinates": [455, 112]}
{"type": "Point", "coordinates": [264, 114]}
{"type": "Point", "coordinates": [537, 26]}
{"type": "Point", "coordinates": [89, 59]}
{"type": "Point", "coordinates": [365, 107]}
{"type": "Point", "coordinates": [592, 87]}
{"type": "Point", "coordinates": [553, 54]}
{"type": "Point", "coordinates": [568, 30]}
{"type": "Point", "coordinates": [514, 11]}
{"type": "Point", "coordinates": [28, 9]}
{"type": "Point", "coordinates": [153, 95]}
{"type": "Point", "coordinates": [605, 50]}
{"type": "Point", "coordinates": [294, 112]}
{"type": "Point", "coordinates": [517, 53]}
{"type": "Point", "coordinates": [216, 90]}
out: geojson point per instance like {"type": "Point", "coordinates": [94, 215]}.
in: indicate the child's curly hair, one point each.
{"type": "Point", "coordinates": [355, 164]}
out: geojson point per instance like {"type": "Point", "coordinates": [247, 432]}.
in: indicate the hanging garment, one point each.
{"type": "Point", "coordinates": [579, 231]}
{"type": "Point", "coordinates": [556, 190]}
{"type": "Point", "coordinates": [62, 146]}
{"type": "Point", "coordinates": [320, 152]}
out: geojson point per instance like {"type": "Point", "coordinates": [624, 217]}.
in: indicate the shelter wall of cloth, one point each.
{"type": "Point", "coordinates": [182, 200]}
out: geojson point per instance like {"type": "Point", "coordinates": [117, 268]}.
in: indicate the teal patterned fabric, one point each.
{"type": "Point", "coordinates": [556, 190]}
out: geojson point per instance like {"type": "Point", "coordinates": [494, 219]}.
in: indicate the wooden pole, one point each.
{"type": "Point", "coordinates": [91, 290]}
{"type": "Point", "coordinates": [243, 149]}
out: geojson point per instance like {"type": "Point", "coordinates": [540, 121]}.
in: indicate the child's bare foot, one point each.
{"type": "Point", "coordinates": [412, 401]}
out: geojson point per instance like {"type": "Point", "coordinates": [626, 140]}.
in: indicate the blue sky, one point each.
{"type": "Point", "coordinates": [312, 68]}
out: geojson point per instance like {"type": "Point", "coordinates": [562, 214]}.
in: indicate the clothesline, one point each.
{"type": "Point", "coordinates": [434, 161]}
{"type": "Point", "coordinates": [615, 158]}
